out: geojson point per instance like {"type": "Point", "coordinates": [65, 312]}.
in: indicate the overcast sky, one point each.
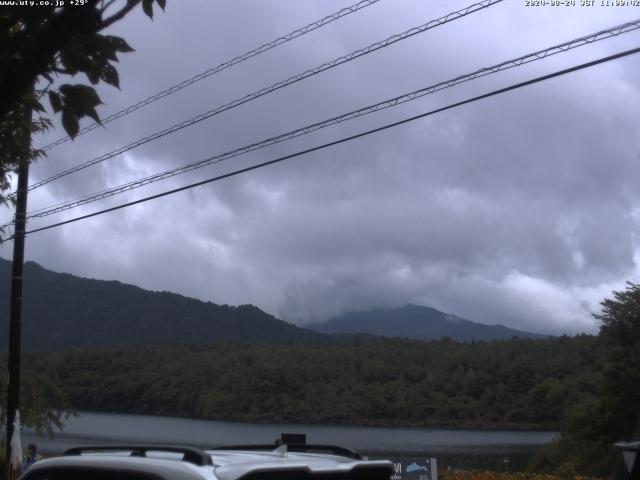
{"type": "Point", "coordinates": [521, 209]}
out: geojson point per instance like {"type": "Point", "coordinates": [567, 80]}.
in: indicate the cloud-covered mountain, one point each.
{"type": "Point", "coordinates": [413, 321]}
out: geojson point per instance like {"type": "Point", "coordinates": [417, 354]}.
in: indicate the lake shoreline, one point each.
{"type": "Point", "coordinates": [278, 420]}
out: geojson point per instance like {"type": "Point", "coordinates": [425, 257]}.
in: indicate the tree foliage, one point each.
{"type": "Point", "coordinates": [503, 384]}
{"type": "Point", "coordinates": [612, 412]}
{"type": "Point", "coordinates": [44, 404]}
{"type": "Point", "coordinates": [620, 334]}
{"type": "Point", "coordinates": [615, 414]}
{"type": "Point", "coordinates": [38, 46]}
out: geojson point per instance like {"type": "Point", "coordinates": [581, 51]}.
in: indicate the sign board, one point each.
{"type": "Point", "coordinates": [419, 469]}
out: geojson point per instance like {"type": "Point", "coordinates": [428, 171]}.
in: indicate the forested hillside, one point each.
{"type": "Point", "coordinates": [515, 383]}
{"type": "Point", "coordinates": [62, 311]}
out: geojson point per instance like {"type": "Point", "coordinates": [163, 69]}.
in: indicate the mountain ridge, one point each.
{"type": "Point", "coordinates": [419, 323]}
{"type": "Point", "coordinates": [62, 311]}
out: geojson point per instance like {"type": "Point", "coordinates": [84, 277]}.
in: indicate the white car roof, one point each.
{"type": "Point", "coordinates": [235, 464]}
{"type": "Point", "coordinates": [163, 468]}
{"type": "Point", "coordinates": [209, 465]}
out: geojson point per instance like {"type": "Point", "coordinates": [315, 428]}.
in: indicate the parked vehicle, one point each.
{"type": "Point", "coordinates": [284, 461]}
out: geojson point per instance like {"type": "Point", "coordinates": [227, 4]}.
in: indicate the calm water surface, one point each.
{"type": "Point", "coordinates": [479, 447]}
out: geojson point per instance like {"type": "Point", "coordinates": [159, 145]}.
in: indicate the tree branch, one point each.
{"type": "Point", "coordinates": [119, 15]}
{"type": "Point", "coordinates": [45, 89]}
{"type": "Point", "coordinates": [104, 7]}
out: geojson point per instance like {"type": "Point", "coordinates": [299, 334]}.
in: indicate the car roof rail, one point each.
{"type": "Point", "coordinates": [190, 454]}
{"type": "Point", "coordinates": [334, 449]}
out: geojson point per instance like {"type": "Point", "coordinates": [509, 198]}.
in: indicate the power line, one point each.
{"type": "Point", "coordinates": [345, 139]}
{"type": "Point", "coordinates": [223, 66]}
{"type": "Point", "coordinates": [276, 86]}
{"type": "Point", "coordinates": [531, 57]}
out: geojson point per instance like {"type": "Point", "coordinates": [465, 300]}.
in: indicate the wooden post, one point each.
{"type": "Point", "coordinates": [15, 323]}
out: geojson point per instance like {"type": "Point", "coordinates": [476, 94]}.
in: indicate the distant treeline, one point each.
{"type": "Point", "coordinates": [503, 384]}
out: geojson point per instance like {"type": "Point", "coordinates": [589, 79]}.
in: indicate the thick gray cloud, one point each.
{"type": "Point", "coordinates": [519, 209]}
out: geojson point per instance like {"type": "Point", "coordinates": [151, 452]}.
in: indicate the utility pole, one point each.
{"type": "Point", "coordinates": [15, 323]}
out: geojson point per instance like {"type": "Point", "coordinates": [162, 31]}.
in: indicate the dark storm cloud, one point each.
{"type": "Point", "coordinates": [519, 209]}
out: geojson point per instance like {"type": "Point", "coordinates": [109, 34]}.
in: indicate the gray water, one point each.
{"type": "Point", "coordinates": [478, 448]}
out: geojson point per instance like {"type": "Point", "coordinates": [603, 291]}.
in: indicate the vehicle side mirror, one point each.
{"type": "Point", "coordinates": [628, 464]}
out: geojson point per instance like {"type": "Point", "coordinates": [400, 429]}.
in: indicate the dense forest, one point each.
{"type": "Point", "coordinates": [503, 384]}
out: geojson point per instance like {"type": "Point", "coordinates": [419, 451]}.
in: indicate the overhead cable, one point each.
{"type": "Point", "coordinates": [223, 66]}
{"type": "Point", "coordinates": [525, 59]}
{"type": "Point", "coordinates": [344, 139]}
{"type": "Point", "coordinates": [276, 86]}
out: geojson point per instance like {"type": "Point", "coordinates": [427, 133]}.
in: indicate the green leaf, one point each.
{"type": "Point", "coordinates": [109, 52]}
{"type": "Point", "coordinates": [120, 44]}
{"type": "Point", "coordinates": [70, 123]}
{"type": "Point", "coordinates": [66, 89]}
{"type": "Point", "coordinates": [161, 3]}
{"type": "Point", "coordinates": [147, 7]}
{"type": "Point", "coordinates": [54, 100]}
{"type": "Point", "coordinates": [79, 101]}
{"type": "Point", "coordinates": [74, 60]}
{"type": "Point", "coordinates": [91, 112]}
{"type": "Point", "coordinates": [37, 106]}
{"type": "Point", "coordinates": [110, 75]}
{"type": "Point", "coordinates": [81, 96]}
{"type": "Point", "coordinates": [93, 76]}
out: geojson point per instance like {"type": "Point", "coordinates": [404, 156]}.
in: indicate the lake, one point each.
{"type": "Point", "coordinates": [457, 448]}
